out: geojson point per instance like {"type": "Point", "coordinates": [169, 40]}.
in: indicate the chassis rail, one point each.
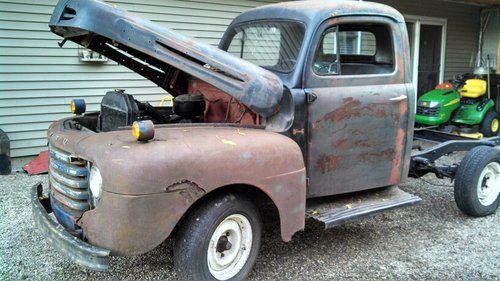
{"type": "Point", "coordinates": [432, 135]}
{"type": "Point", "coordinates": [423, 162]}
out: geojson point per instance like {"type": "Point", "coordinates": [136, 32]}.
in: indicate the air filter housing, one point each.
{"type": "Point", "coordinates": [118, 109]}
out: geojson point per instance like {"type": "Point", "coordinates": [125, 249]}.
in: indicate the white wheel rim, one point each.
{"type": "Point", "coordinates": [226, 260]}
{"type": "Point", "coordinates": [488, 187]}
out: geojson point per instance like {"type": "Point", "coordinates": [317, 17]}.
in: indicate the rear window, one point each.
{"type": "Point", "coordinates": [351, 43]}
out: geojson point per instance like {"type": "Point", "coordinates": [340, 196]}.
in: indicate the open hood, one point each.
{"type": "Point", "coordinates": [161, 54]}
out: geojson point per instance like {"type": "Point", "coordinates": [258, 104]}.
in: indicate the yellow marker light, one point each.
{"type": "Point", "coordinates": [143, 130]}
{"type": "Point", "coordinates": [77, 106]}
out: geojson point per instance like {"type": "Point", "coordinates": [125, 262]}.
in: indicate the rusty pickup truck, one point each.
{"type": "Point", "coordinates": [305, 108]}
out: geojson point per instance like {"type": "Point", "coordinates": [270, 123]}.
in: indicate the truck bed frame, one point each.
{"type": "Point", "coordinates": [423, 161]}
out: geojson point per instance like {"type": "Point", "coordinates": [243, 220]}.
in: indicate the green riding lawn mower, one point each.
{"type": "Point", "coordinates": [462, 107]}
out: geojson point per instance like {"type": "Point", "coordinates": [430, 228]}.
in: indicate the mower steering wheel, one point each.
{"type": "Point", "coordinates": [458, 81]}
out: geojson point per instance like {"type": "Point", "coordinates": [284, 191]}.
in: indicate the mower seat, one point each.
{"type": "Point", "coordinates": [473, 88]}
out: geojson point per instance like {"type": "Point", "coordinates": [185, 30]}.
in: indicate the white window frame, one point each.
{"type": "Point", "coordinates": [417, 22]}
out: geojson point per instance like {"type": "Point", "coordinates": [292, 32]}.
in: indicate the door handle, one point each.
{"type": "Point", "coordinates": [310, 96]}
{"type": "Point", "coordinates": [400, 98]}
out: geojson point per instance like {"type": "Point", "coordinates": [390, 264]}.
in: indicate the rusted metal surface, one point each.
{"type": "Point", "coordinates": [221, 107]}
{"type": "Point", "coordinates": [68, 185]}
{"type": "Point", "coordinates": [314, 12]}
{"type": "Point", "coordinates": [80, 252]}
{"type": "Point", "coordinates": [149, 186]}
{"type": "Point", "coordinates": [357, 125]}
{"type": "Point", "coordinates": [114, 32]}
{"type": "Point", "coordinates": [351, 135]}
{"type": "Point", "coordinates": [424, 162]}
{"type": "Point", "coordinates": [69, 192]}
{"type": "Point", "coordinates": [358, 205]}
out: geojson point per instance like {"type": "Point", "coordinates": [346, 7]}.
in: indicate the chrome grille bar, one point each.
{"type": "Point", "coordinates": [68, 169]}
{"type": "Point", "coordinates": [68, 181]}
{"type": "Point", "coordinates": [73, 204]}
{"type": "Point", "coordinates": [73, 182]}
{"type": "Point", "coordinates": [73, 193]}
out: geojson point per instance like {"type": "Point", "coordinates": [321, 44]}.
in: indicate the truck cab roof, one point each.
{"type": "Point", "coordinates": [314, 12]}
{"type": "Point", "coordinates": [311, 14]}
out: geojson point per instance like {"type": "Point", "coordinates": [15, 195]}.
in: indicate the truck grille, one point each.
{"type": "Point", "coordinates": [427, 111]}
{"type": "Point", "coordinates": [68, 186]}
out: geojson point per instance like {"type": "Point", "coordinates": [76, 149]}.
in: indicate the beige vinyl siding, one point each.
{"type": "Point", "coordinates": [38, 79]}
{"type": "Point", "coordinates": [462, 29]}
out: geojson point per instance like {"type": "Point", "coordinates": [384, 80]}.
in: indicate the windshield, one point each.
{"type": "Point", "coordinates": [271, 45]}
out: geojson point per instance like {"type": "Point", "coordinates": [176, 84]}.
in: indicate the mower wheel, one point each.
{"type": "Point", "coordinates": [477, 182]}
{"type": "Point", "coordinates": [491, 123]}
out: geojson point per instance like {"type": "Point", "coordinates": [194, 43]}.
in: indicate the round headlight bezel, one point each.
{"type": "Point", "coordinates": [95, 185]}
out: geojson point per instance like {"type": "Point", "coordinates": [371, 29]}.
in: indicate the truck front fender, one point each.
{"type": "Point", "coordinates": [149, 186]}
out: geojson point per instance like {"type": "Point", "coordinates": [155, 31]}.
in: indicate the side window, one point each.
{"type": "Point", "coordinates": [258, 44]}
{"type": "Point", "coordinates": [272, 45]}
{"type": "Point", "coordinates": [355, 50]}
{"type": "Point", "coordinates": [329, 43]}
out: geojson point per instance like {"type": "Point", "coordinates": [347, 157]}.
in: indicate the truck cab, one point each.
{"type": "Point", "coordinates": [347, 69]}
{"type": "Point", "coordinates": [301, 103]}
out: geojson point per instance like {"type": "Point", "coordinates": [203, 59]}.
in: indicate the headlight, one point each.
{"type": "Point", "coordinates": [95, 184]}
{"type": "Point", "coordinates": [429, 104]}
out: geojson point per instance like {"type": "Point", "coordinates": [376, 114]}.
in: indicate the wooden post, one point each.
{"type": "Point", "coordinates": [498, 56]}
{"type": "Point", "coordinates": [497, 72]}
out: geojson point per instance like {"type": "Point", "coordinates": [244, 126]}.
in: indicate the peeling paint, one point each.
{"type": "Point", "coordinates": [188, 189]}
{"type": "Point", "coordinates": [328, 163]}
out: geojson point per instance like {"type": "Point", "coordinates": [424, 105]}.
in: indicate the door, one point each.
{"type": "Point", "coordinates": [357, 106]}
{"type": "Point", "coordinates": [428, 47]}
{"type": "Point", "coordinates": [429, 62]}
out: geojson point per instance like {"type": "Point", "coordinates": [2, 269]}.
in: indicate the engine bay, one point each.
{"type": "Point", "coordinates": [203, 103]}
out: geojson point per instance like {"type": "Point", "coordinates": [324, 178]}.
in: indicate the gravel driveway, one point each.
{"type": "Point", "coordinates": [432, 240]}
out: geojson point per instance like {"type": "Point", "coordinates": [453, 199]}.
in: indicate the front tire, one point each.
{"type": "Point", "coordinates": [477, 182]}
{"type": "Point", "coordinates": [491, 123]}
{"type": "Point", "coordinates": [219, 240]}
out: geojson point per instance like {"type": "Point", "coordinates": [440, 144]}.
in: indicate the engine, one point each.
{"type": "Point", "coordinates": [119, 109]}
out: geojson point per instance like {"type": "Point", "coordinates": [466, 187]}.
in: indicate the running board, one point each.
{"type": "Point", "coordinates": [341, 208]}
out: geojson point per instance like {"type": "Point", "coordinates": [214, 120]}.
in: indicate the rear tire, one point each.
{"type": "Point", "coordinates": [219, 240]}
{"type": "Point", "coordinates": [491, 123]}
{"type": "Point", "coordinates": [477, 182]}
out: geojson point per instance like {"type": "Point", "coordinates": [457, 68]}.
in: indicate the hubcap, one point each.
{"type": "Point", "coordinates": [488, 187]}
{"type": "Point", "coordinates": [229, 247]}
{"type": "Point", "coordinates": [494, 125]}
